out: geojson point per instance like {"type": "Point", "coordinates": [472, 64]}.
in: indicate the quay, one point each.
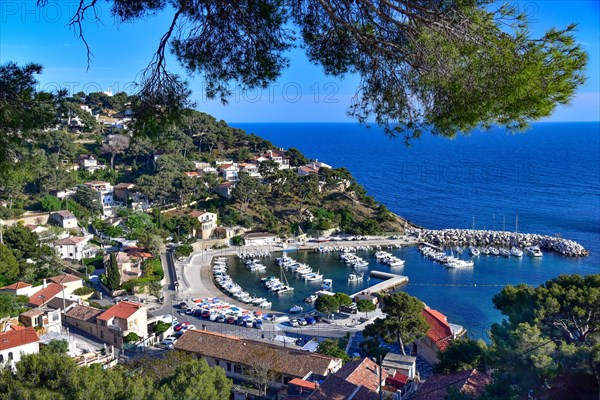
{"type": "Point", "coordinates": [391, 281]}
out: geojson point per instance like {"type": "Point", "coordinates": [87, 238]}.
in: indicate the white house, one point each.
{"type": "Point", "coordinates": [260, 239]}
{"type": "Point", "coordinates": [229, 172]}
{"type": "Point", "coordinates": [250, 169]}
{"type": "Point", "coordinates": [224, 189]}
{"type": "Point", "coordinates": [74, 247]}
{"type": "Point", "coordinates": [208, 223]}
{"type": "Point", "coordinates": [63, 194]}
{"type": "Point", "coordinates": [89, 163]}
{"type": "Point", "coordinates": [15, 344]}
{"type": "Point", "coordinates": [279, 157]}
{"type": "Point", "coordinates": [65, 219]}
{"type": "Point", "coordinates": [106, 196]}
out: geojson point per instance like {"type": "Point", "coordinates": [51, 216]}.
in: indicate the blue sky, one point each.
{"type": "Point", "coordinates": [302, 94]}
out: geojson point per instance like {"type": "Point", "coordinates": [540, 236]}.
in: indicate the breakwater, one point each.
{"type": "Point", "coordinates": [469, 237]}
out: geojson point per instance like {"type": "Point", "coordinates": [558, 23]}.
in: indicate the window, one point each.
{"type": "Point", "coordinates": [10, 355]}
{"type": "Point", "coordinates": [217, 363]}
{"type": "Point", "coordinates": [101, 335]}
{"type": "Point", "coordinates": [286, 379]}
{"type": "Point", "coordinates": [237, 369]}
{"type": "Point", "coordinates": [229, 367]}
{"type": "Point", "coordinates": [1, 357]}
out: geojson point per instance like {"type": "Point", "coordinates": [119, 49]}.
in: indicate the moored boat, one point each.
{"type": "Point", "coordinates": [296, 309]}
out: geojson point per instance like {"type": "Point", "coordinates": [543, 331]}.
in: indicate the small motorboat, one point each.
{"type": "Point", "coordinates": [311, 299]}
{"type": "Point", "coordinates": [533, 251]}
{"type": "Point", "coordinates": [356, 277]}
{"type": "Point", "coordinates": [296, 309]}
{"type": "Point", "coordinates": [517, 252]}
{"type": "Point", "coordinates": [504, 252]}
{"type": "Point", "coordinates": [327, 284]}
{"type": "Point", "coordinates": [474, 251]}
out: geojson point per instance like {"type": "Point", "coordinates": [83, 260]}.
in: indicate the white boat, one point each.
{"type": "Point", "coordinates": [327, 284]}
{"type": "Point", "coordinates": [485, 251]}
{"type": "Point", "coordinates": [534, 251]}
{"type": "Point", "coordinates": [517, 252]}
{"type": "Point", "coordinates": [284, 289]}
{"type": "Point", "coordinates": [456, 263]}
{"type": "Point", "coordinates": [296, 309]}
{"type": "Point", "coordinates": [494, 251]}
{"type": "Point", "coordinates": [313, 277]}
{"type": "Point", "coordinates": [474, 251]}
{"type": "Point", "coordinates": [356, 277]}
{"type": "Point", "coordinates": [265, 304]}
{"type": "Point", "coordinates": [311, 299]}
{"type": "Point", "coordinates": [504, 252]}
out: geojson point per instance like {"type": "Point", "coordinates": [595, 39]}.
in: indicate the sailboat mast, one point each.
{"type": "Point", "coordinates": [517, 223]}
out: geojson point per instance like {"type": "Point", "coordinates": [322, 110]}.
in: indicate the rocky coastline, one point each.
{"type": "Point", "coordinates": [467, 237]}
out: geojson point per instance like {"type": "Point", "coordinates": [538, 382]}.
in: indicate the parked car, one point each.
{"type": "Point", "coordinates": [310, 320]}
{"type": "Point", "coordinates": [183, 305]}
{"type": "Point", "coordinates": [294, 322]}
{"type": "Point", "coordinates": [300, 341]}
{"type": "Point", "coordinates": [230, 320]}
{"type": "Point", "coordinates": [186, 327]}
{"type": "Point", "coordinates": [318, 318]}
{"type": "Point", "coordinates": [198, 312]}
{"type": "Point", "coordinates": [258, 324]}
{"type": "Point", "coordinates": [302, 321]}
{"type": "Point", "coordinates": [205, 314]}
{"type": "Point", "coordinates": [349, 309]}
{"type": "Point", "coordinates": [189, 311]}
{"type": "Point", "coordinates": [221, 318]}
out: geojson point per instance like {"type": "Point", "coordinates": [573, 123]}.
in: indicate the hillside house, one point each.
{"type": "Point", "coordinates": [74, 247]}
{"type": "Point", "coordinates": [439, 335]}
{"type": "Point", "coordinates": [123, 191]}
{"type": "Point", "coordinates": [70, 282]}
{"type": "Point", "coordinates": [65, 219]}
{"type": "Point", "coordinates": [229, 172]}
{"type": "Point", "coordinates": [106, 197]}
{"type": "Point", "coordinates": [89, 163]}
{"type": "Point", "coordinates": [46, 318]}
{"type": "Point", "coordinates": [225, 189]}
{"type": "Point", "coordinates": [208, 223]}
{"type": "Point", "coordinates": [129, 267]}
{"type": "Point", "coordinates": [16, 343]}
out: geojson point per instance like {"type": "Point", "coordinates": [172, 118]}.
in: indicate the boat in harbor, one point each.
{"type": "Point", "coordinates": [474, 251]}
{"type": "Point", "coordinates": [327, 284]}
{"type": "Point", "coordinates": [313, 277]}
{"type": "Point", "coordinates": [485, 251]}
{"type": "Point", "coordinates": [494, 251]}
{"type": "Point", "coordinates": [534, 251]}
{"type": "Point", "coordinates": [356, 277]}
{"type": "Point", "coordinates": [311, 299]}
{"type": "Point", "coordinates": [457, 263]}
{"type": "Point", "coordinates": [296, 309]}
{"type": "Point", "coordinates": [515, 251]}
{"type": "Point", "coordinates": [504, 252]}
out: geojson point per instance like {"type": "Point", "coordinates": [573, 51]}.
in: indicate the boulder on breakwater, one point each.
{"type": "Point", "coordinates": [469, 237]}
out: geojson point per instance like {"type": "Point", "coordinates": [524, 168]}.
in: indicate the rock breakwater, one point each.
{"type": "Point", "coordinates": [469, 237]}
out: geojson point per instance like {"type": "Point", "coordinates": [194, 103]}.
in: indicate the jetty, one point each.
{"type": "Point", "coordinates": [502, 239]}
{"type": "Point", "coordinates": [390, 282]}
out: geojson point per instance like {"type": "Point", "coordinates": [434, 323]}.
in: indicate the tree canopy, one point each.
{"type": "Point", "coordinates": [448, 66]}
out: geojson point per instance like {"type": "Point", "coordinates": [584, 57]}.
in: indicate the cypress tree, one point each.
{"type": "Point", "coordinates": [113, 278]}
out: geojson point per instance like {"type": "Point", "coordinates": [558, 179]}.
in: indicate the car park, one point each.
{"type": "Point", "coordinates": [198, 313]}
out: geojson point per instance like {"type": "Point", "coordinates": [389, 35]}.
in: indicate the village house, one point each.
{"type": "Point", "coordinates": [18, 289]}
{"type": "Point", "coordinates": [113, 325]}
{"type": "Point", "coordinates": [229, 172]}
{"type": "Point", "coordinates": [438, 337]}
{"type": "Point", "coordinates": [15, 344]}
{"type": "Point", "coordinates": [74, 247]}
{"type": "Point", "coordinates": [204, 168]}
{"type": "Point", "coordinates": [123, 191]}
{"type": "Point", "coordinates": [402, 372]}
{"type": "Point", "coordinates": [470, 383]}
{"type": "Point", "coordinates": [250, 169]}
{"type": "Point", "coordinates": [225, 189]}
{"type": "Point", "coordinates": [89, 163]}
{"type": "Point", "coordinates": [45, 318]}
{"type": "Point", "coordinates": [70, 282]}
{"type": "Point", "coordinates": [105, 193]}
{"type": "Point", "coordinates": [63, 193]}
{"type": "Point", "coordinates": [208, 223]}
{"type": "Point", "coordinates": [356, 380]}
{"type": "Point", "coordinates": [129, 267]}
{"type": "Point", "coordinates": [242, 358]}
{"type": "Point", "coordinates": [65, 219]}
{"type": "Point", "coordinates": [279, 157]}
{"type": "Point", "coordinates": [47, 292]}
{"type": "Point", "coordinates": [36, 228]}
{"type": "Point", "coordinates": [307, 170]}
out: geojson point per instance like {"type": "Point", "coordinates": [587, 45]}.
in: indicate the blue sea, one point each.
{"type": "Point", "coordinates": [549, 176]}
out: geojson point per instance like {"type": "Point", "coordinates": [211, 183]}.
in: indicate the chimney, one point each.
{"type": "Point", "coordinates": [44, 283]}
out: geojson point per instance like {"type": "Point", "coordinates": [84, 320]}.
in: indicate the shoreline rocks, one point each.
{"type": "Point", "coordinates": [466, 237]}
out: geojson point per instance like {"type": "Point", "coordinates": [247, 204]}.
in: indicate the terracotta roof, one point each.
{"type": "Point", "coordinates": [70, 240]}
{"type": "Point", "coordinates": [32, 313]}
{"type": "Point", "coordinates": [362, 372]}
{"type": "Point", "coordinates": [226, 166]}
{"type": "Point", "coordinates": [64, 278]}
{"type": "Point", "coordinates": [192, 173]}
{"type": "Point", "coordinates": [84, 313]}
{"type": "Point", "coordinates": [302, 383]}
{"type": "Point", "coordinates": [16, 286]}
{"type": "Point", "coordinates": [397, 381]}
{"type": "Point", "coordinates": [65, 214]}
{"type": "Point", "coordinates": [12, 339]}
{"type": "Point", "coordinates": [285, 360]}
{"type": "Point", "coordinates": [226, 184]}
{"type": "Point", "coordinates": [46, 294]}
{"type": "Point", "coordinates": [309, 169]}
{"type": "Point", "coordinates": [337, 388]}
{"type": "Point", "coordinates": [470, 382]}
{"type": "Point", "coordinates": [122, 310]}
{"type": "Point", "coordinates": [439, 330]}
{"type": "Point", "coordinates": [136, 253]}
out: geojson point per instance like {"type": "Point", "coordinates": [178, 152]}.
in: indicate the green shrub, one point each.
{"type": "Point", "coordinates": [82, 291]}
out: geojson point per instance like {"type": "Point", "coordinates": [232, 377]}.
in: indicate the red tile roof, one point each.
{"type": "Point", "coordinates": [470, 382]}
{"type": "Point", "coordinates": [84, 313]}
{"type": "Point", "coordinates": [16, 286]}
{"type": "Point", "coordinates": [439, 330]}
{"type": "Point", "coordinates": [122, 310]}
{"type": "Point", "coordinates": [302, 383]}
{"type": "Point", "coordinates": [65, 214]}
{"type": "Point", "coordinates": [64, 278]}
{"type": "Point", "coordinates": [46, 294]}
{"type": "Point", "coordinates": [362, 372]}
{"type": "Point", "coordinates": [191, 174]}
{"type": "Point", "coordinates": [397, 381]}
{"type": "Point", "coordinates": [124, 185]}
{"type": "Point", "coordinates": [336, 388]}
{"type": "Point", "coordinates": [21, 337]}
